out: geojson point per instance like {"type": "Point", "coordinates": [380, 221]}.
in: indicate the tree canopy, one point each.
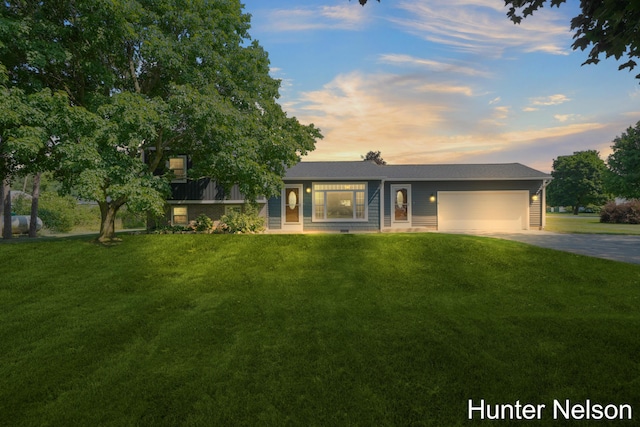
{"type": "Point", "coordinates": [374, 156]}
{"type": "Point", "coordinates": [607, 27]}
{"type": "Point", "coordinates": [148, 79]}
{"type": "Point", "coordinates": [624, 164]}
{"type": "Point", "coordinates": [578, 180]}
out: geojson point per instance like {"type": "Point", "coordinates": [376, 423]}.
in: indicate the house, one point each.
{"type": "Point", "coordinates": [191, 198]}
{"type": "Point", "coordinates": [366, 197]}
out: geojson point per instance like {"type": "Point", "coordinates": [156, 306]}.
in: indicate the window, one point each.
{"type": "Point", "coordinates": [178, 165]}
{"type": "Point", "coordinates": [339, 202]}
{"type": "Point", "coordinates": [179, 215]}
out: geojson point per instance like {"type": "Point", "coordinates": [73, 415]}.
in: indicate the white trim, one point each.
{"type": "Point", "coordinates": [392, 190]}
{"type": "Point", "coordinates": [366, 201]}
{"type": "Point", "coordinates": [381, 195]}
{"type": "Point", "coordinates": [292, 226]}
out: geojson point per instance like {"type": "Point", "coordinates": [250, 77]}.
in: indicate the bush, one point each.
{"type": "Point", "coordinates": [203, 223]}
{"type": "Point", "coordinates": [172, 229]}
{"type": "Point", "coordinates": [59, 213]}
{"type": "Point", "coordinates": [623, 213]}
{"type": "Point", "coordinates": [247, 222]}
{"type": "Point", "coordinates": [132, 219]}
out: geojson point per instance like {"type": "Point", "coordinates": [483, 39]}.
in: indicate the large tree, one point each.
{"type": "Point", "coordinates": [155, 78]}
{"type": "Point", "coordinates": [13, 111]}
{"type": "Point", "coordinates": [578, 180]}
{"type": "Point", "coordinates": [624, 164]}
{"type": "Point", "coordinates": [608, 27]}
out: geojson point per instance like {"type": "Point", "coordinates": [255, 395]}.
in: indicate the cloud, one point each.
{"type": "Point", "coordinates": [340, 17]}
{"type": "Point", "coordinates": [414, 119]}
{"type": "Point", "coordinates": [481, 27]}
{"type": "Point", "coordinates": [444, 67]}
{"type": "Point", "coordinates": [566, 117]}
{"type": "Point", "coordinates": [545, 101]}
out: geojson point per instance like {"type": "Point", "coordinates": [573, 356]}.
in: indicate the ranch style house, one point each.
{"type": "Point", "coordinates": [362, 196]}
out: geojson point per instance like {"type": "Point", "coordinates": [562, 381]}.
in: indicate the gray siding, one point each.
{"type": "Point", "coordinates": [203, 189]}
{"type": "Point", "coordinates": [373, 213]}
{"type": "Point", "coordinates": [425, 214]}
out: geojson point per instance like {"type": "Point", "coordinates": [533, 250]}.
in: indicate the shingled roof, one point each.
{"type": "Point", "coordinates": [444, 172]}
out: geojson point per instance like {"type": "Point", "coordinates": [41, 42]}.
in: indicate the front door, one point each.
{"type": "Point", "coordinates": [292, 207]}
{"type": "Point", "coordinates": [401, 205]}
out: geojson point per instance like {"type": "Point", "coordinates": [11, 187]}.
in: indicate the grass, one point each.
{"type": "Point", "coordinates": [381, 329]}
{"type": "Point", "coordinates": [586, 224]}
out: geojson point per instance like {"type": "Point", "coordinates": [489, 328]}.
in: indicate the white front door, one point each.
{"type": "Point", "coordinates": [401, 205]}
{"type": "Point", "coordinates": [292, 215]}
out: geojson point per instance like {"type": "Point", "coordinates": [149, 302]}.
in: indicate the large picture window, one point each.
{"type": "Point", "coordinates": [339, 202]}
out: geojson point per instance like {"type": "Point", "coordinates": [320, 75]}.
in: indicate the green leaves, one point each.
{"type": "Point", "coordinates": [609, 27]}
{"type": "Point", "coordinates": [144, 79]}
{"type": "Point", "coordinates": [624, 164]}
{"type": "Point", "coordinates": [578, 180]}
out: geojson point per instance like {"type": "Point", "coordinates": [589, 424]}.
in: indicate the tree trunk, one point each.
{"type": "Point", "coordinates": [35, 197]}
{"type": "Point", "coordinates": [108, 211]}
{"type": "Point", "coordinates": [576, 209]}
{"type": "Point", "coordinates": [6, 209]}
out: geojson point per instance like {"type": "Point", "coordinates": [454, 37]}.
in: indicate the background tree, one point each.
{"type": "Point", "coordinates": [578, 181]}
{"type": "Point", "coordinates": [154, 79]}
{"type": "Point", "coordinates": [374, 156]}
{"type": "Point", "coordinates": [609, 27]}
{"type": "Point", "coordinates": [13, 111]}
{"type": "Point", "coordinates": [624, 164]}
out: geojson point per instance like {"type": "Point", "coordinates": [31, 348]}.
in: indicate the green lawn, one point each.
{"type": "Point", "coordinates": [586, 223]}
{"type": "Point", "coordinates": [303, 330]}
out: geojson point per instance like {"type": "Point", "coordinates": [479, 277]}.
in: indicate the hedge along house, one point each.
{"type": "Point", "coordinates": [364, 196]}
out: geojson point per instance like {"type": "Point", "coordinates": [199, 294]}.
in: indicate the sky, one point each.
{"type": "Point", "coordinates": [442, 81]}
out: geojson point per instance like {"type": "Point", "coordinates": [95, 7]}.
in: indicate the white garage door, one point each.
{"type": "Point", "coordinates": [483, 210]}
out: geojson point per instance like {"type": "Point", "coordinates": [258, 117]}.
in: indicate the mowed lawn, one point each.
{"type": "Point", "coordinates": [304, 330]}
{"type": "Point", "coordinates": [586, 224]}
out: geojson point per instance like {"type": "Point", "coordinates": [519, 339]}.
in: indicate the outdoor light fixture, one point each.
{"type": "Point", "coordinates": [534, 197]}
{"type": "Point", "coordinates": [432, 198]}
{"type": "Point", "coordinates": [308, 189]}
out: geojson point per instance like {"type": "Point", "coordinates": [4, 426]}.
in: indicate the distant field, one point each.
{"type": "Point", "coordinates": [304, 330]}
{"type": "Point", "coordinates": [586, 223]}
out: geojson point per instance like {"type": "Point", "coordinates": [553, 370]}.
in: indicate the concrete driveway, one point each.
{"type": "Point", "coordinates": [623, 248]}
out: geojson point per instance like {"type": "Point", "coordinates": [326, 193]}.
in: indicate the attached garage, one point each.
{"type": "Point", "coordinates": [483, 210]}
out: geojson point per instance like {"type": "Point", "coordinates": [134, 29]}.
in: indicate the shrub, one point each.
{"type": "Point", "coordinates": [203, 223]}
{"type": "Point", "coordinates": [172, 229]}
{"type": "Point", "coordinates": [60, 213]}
{"type": "Point", "coordinates": [248, 221]}
{"type": "Point", "coordinates": [132, 219]}
{"type": "Point", "coordinates": [57, 212]}
{"type": "Point", "coordinates": [623, 213]}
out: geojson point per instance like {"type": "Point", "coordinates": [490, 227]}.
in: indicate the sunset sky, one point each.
{"type": "Point", "coordinates": [442, 81]}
